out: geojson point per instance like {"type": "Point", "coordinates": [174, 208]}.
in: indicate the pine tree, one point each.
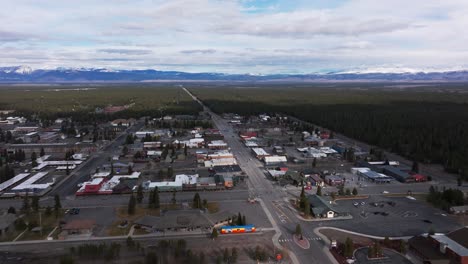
{"type": "Point", "coordinates": [226, 255]}
{"type": "Point", "coordinates": [234, 255]}
{"type": "Point", "coordinates": [244, 221]}
{"type": "Point", "coordinates": [319, 190]}
{"type": "Point", "coordinates": [139, 195]}
{"type": "Point", "coordinates": [214, 233]}
{"type": "Point", "coordinates": [156, 198]}
{"type": "Point", "coordinates": [42, 153]}
{"type": "Point", "coordinates": [197, 201]}
{"type": "Point", "coordinates": [131, 205]}
{"type": "Point", "coordinates": [349, 247]}
{"type": "Point", "coordinates": [35, 203]}
{"type": "Point", "coordinates": [298, 232]}
{"type": "Point", "coordinates": [57, 205]}
{"type": "Point", "coordinates": [239, 219]}
{"type": "Point", "coordinates": [26, 203]}
{"type": "Point", "coordinates": [415, 167]}
{"type": "Point", "coordinates": [314, 163]}
{"type": "Point", "coordinates": [355, 191]}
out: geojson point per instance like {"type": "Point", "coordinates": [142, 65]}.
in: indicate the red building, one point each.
{"type": "Point", "coordinates": [449, 248]}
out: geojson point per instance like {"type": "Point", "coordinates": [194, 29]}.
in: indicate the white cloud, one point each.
{"type": "Point", "coordinates": [233, 36]}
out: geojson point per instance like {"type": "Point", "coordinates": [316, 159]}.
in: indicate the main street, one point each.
{"type": "Point", "coordinates": [270, 194]}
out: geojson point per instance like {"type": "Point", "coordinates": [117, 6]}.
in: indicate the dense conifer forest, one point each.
{"type": "Point", "coordinates": [427, 123]}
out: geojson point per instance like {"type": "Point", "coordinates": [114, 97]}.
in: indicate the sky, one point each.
{"type": "Point", "coordinates": [236, 36]}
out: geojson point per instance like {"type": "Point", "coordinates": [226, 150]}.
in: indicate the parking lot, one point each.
{"type": "Point", "coordinates": [393, 216]}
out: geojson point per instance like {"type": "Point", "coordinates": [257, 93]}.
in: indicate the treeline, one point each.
{"type": "Point", "coordinates": [445, 198]}
{"type": "Point", "coordinates": [427, 126]}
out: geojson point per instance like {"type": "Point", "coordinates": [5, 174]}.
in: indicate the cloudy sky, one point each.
{"type": "Point", "coordinates": [236, 36]}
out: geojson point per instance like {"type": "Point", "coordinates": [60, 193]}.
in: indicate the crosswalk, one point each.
{"type": "Point", "coordinates": [284, 240]}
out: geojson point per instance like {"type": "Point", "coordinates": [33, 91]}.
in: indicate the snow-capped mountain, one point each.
{"type": "Point", "coordinates": [17, 69]}
{"type": "Point", "coordinates": [24, 74]}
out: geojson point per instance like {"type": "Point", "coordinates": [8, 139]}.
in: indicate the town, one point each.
{"type": "Point", "coordinates": [286, 189]}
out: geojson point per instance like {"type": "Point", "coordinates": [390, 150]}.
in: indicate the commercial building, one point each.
{"type": "Point", "coordinates": [275, 160]}
{"type": "Point", "coordinates": [220, 162]}
{"type": "Point", "coordinates": [217, 144]}
{"type": "Point", "coordinates": [30, 186]}
{"type": "Point", "coordinates": [7, 184]}
{"type": "Point", "coordinates": [260, 153]}
{"type": "Point", "coordinates": [321, 208]}
{"type": "Point", "coordinates": [334, 180]}
{"type": "Point", "coordinates": [371, 175]}
{"type": "Point", "coordinates": [440, 248]}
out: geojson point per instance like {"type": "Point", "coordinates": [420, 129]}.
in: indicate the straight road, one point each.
{"type": "Point", "coordinates": [261, 187]}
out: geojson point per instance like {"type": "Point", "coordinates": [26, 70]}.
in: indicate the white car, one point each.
{"type": "Point", "coordinates": [384, 192]}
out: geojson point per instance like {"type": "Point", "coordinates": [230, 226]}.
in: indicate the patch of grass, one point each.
{"type": "Point", "coordinates": [213, 207]}
{"type": "Point", "coordinates": [115, 230]}
{"type": "Point", "coordinates": [121, 213]}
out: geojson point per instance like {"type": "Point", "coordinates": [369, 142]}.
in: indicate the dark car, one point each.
{"type": "Point", "coordinates": [427, 221]}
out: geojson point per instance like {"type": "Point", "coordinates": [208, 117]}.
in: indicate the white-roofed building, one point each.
{"type": "Point", "coordinates": [273, 160]}
{"type": "Point", "coordinates": [217, 144]}
{"type": "Point", "coordinates": [260, 153]}
{"type": "Point", "coordinates": [30, 185]}
{"type": "Point", "coordinates": [6, 184]}
{"type": "Point", "coordinates": [220, 162]}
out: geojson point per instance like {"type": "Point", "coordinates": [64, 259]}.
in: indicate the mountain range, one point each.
{"type": "Point", "coordinates": [25, 74]}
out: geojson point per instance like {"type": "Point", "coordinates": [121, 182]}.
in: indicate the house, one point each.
{"type": "Point", "coordinates": [7, 223]}
{"type": "Point", "coordinates": [334, 180]}
{"type": "Point", "coordinates": [321, 208]}
{"type": "Point", "coordinates": [77, 227]}
{"type": "Point", "coordinates": [440, 248]}
{"type": "Point", "coordinates": [32, 137]}
{"type": "Point", "coordinates": [315, 180]}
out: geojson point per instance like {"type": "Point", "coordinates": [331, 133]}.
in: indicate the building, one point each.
{"type": "Point", "coordinates": [151, 145]}
{"type": "Point", "coordinates": [440, 248]}
{"type": "Point", "coordinates": [32, 137]}
{"type": "Point", "coordinates": [334, 180]}
{"type": "Point", "coordinates": [275, 160]}
{"type": "Point", "coordinates": [459, 209]}
{"type": "Point", "coordinates": [30, 186]}
{"type": "Point", "coordinates": [260, 153]}
{"type": "Point", "coordinates": [123, 122]}
{"type": "Point", "coordinates": [321, 208]}
{"type": "Point", "coordinates": [77, 227]}
{"type": "Point", "coordinates": [278, 150]}
{"type": "Point", "coordinates": [315, 180]}
{"type": "Point", "coordinates": [217, 144]}
{"type": "Point", "coordinates": [372, 175]}
{"type": "Point", "coordinates": [220, 162]}
{"type": "Point", "coordinates": [91, 187]}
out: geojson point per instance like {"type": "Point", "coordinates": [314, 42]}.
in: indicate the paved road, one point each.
{"type": "Point", "coordinates": [122, 200]}
{"type": "Point", "coordinates": [260, 186]}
